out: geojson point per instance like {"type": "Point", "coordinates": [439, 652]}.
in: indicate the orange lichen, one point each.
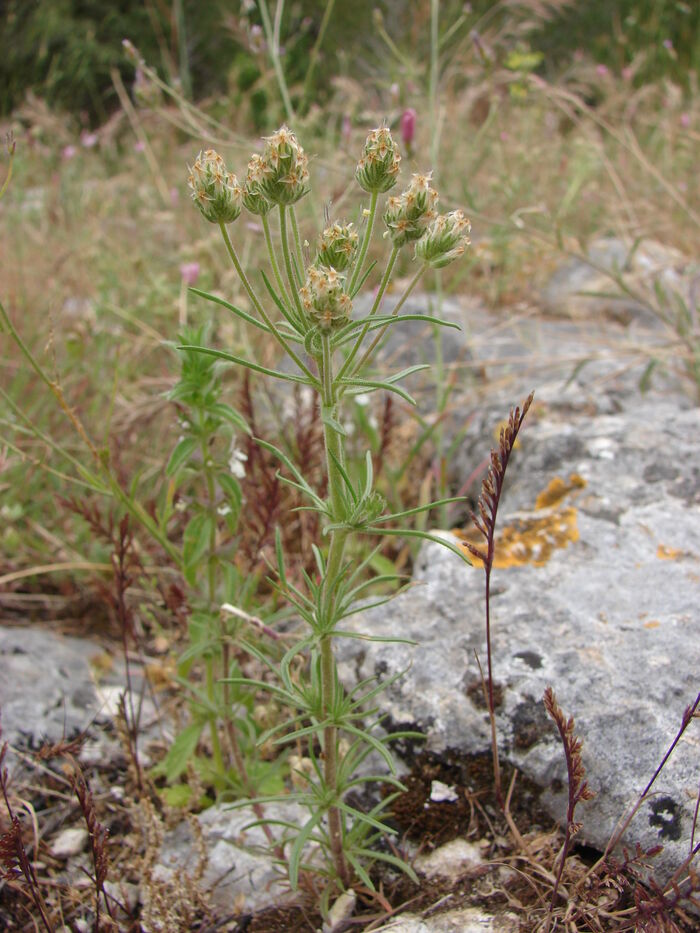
{"type": "Point", "coordinates": [668, 553]}
{"type": "Point", "coordinates": [652, 623]}
{"type": "Point", "coordinates": [533, 539]}
{"type": "Point", "coordinates": [558, 490]}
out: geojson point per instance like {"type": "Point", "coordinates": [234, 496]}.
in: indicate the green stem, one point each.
{"type": "Point", "coordinates": [284, 236]}
{"type": "Point", "coordinates": [297, 241]}
{"type": "Point", "coordinates": [272, 38]}
{"type": "Point", "coordinates": [259, 308]}
{"type": "Point", "coordinates": [357, 271]}
{"type": "Point", "coordinates": [333, 448]}
{"type": "Point", "coordinates": [370, 350]}
{"type": "Point", "coordinates": [273, 261]}
{"type": "Point", "coordinates": [375, 307]}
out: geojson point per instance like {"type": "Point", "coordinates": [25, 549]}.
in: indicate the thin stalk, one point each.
{"type": "Point", "coordinates": [273, 261]}
{"type": "Point", "coordinates": [357, 271]}
{"type": "Point", "coordinates": [333, 448]}
{"type": "Point", "coordinates": [313, 57]}
{"type": "Point", "coordinates": [492, 703]}
{"type": "Point", "coordinates": [375, 307]}
{"type": "Point", "coordinates": [297, 241]}
{"type": "Point", "coordinates": [259, 308]}
{"type": "Point", "coordinates": [272, 37]}
{"type": "Point", "coordinates": [284, 236]}
{"type": "Point", "coordinates": [370, 350]}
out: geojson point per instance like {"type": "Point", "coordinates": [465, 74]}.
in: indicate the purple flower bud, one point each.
{"type": "Point", "coordinates": [685, 120]}
{"type": "Point", "coordinates": [189, 272]}
{"type": "Point", "coordinates": [68, 152]}
{"type": "Point", "coordinates": [408, 126]}
{"type": "Point", "coordinates": [601, 70]}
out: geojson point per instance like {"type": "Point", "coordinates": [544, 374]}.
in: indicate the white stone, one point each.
{"type": "Point", "coordinates": [69, 842]}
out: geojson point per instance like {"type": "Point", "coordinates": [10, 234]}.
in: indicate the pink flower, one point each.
{"type": "Point", "coordinates": [346, 130]}
{"type": "Point", "coordinates": [408, 126]}
{"type": "Point", "coordinates": [504, 136]}
{"type": "Point", "coordinates": [88, 140]}
{"type": "Point", "coordinates": [627, 73]}
{"type": "Point", "coordinates": [139, 146]}
{"type": "Point", "coordinates": [189, 272]}
{"type": "Point", "coordinates": [68, 152]}
{"type": "Point", "coordinates": [601, 71]}
{"type": "Point", "coordinates": [685, 120]}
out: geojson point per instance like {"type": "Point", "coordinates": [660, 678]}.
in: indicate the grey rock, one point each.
{"type": "Point", "coordinates": [46, 690]}
{"type": "Point", "coordinates": [580, 288]}
{"type": "Point", "coordinates": [599, 600]}
{"type": "Point", "coordinates": [461, 920]}
{"type": "Point", "coordinates": [240, 870]}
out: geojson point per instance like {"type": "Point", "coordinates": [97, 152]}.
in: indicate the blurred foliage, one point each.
{"type": "Point", "coordinates": [658, 37]}
{"type": "Point", "coordinates": [63, 50]}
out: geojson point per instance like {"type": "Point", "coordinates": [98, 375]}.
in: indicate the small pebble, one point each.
{"type": "Point", "coordinates": [69, 842]}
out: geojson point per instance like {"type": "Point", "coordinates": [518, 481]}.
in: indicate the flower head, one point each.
{"type": "Point", "coordinates": [215, 191]}
{"type": "Point", "coordinates": [253, 199]}
{"type": "Point", "coordinates": [378, 168]}
{"type": "Point", "coordinates": [445, 240]}
{"type": "Point", "coordinates": [324, 298]}
{"type": "Point", "coordinates": [337, 246]}
{"type": "Point", "coordinates": [281, 174]}
{"type": "Point", "coordinates": [408, 215]}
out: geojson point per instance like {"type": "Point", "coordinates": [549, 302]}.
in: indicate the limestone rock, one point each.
{"type": "Point", "coordinates": [46, 690]}
{"type": "Point", "coordinates": [240, 873]}
{"type": "Point", "coordinates": [581, 289]}
{"type": "Point", "coordinates": [462, 920]}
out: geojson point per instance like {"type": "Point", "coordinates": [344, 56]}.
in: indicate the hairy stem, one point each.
{"type": "Point", "coordinates": [333, 449]}
{"type": "Point", "coordinates": [357, 271]}
{"type": "Point", "coordinates": [284, 236]}
{"type": "Point", "coordinates": [273, 261]}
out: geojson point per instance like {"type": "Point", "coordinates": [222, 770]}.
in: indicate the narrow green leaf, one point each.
{"type": "Point", "coordinates": [248, 364]}
{"type": "Point", "coordinates": [195, 542]}
{"type": "Point", "coordinates": [298, 846]}
{"type": "Point", "coordinates": [414, 533]}
{"type": "Point", "coordinates": [419, 508]}
{"type": "Point", "coordinates": [363, 278]}
{"type": "Point", "coordinates": [224, 411]}
{"type": "Point", "coordinates": [232, 308]}
{"type": "Point", "coordinates": [181, 454]}
{"type": "Point", "coordinates": [360, 386]}
{"type": "Point", "coordinates": [181, 752]}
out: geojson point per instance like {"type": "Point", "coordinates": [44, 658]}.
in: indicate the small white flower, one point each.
{"type": "Point", "coordinates": [236, 461]}
{"type": "Point", "coordinates": [224, 509]}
